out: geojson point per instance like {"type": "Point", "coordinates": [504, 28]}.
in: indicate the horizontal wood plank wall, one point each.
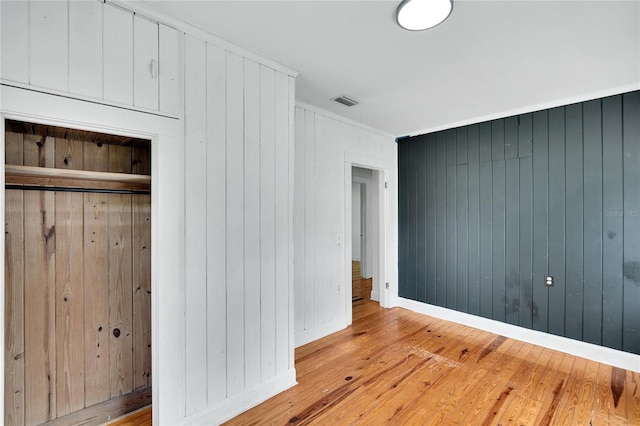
{"type": "Point", "coordinates": [319, 214]}
{"type": "Point", "coordinates": [92, 49]}
{"type": "Point", "coordinates": [554, 192]}
{"type": "Point", "coordinates": [74, 274]}
{"type": "Point", "coordinates": [237, 238]}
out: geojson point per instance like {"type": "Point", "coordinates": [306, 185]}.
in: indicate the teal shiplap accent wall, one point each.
{"type": "Point", "coordinates": [486, 211]}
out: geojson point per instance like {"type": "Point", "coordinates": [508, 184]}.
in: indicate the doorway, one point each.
{"type": "Point", "coordinates": [77, 274]}
{"type": "Point", "coordinates": [366, 245]}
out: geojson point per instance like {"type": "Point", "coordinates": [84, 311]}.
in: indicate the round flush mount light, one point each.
{"type": "Point", "coordinates": [418, 15]}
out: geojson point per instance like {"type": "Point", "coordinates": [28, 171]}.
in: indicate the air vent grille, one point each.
{"type": "Point", "coordinates": [345, 100]}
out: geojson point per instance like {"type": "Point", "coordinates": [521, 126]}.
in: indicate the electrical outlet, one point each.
{"type": "Point", "coordinates": [548, 280]}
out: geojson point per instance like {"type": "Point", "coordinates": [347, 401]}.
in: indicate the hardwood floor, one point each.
{"type": "Point", "coordinates": [398, 367]}
{"type": "Point", "coordinates": [141, 417]}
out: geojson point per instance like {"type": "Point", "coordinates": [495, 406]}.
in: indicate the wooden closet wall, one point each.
{"type": "Point", "coordinates": [77, 278]}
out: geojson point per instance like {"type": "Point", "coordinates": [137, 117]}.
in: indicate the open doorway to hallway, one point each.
{"type": "Point", "coordinates": [364, 237]}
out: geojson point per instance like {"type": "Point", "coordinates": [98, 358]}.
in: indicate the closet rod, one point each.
{"type": "Point", "coordinates": [91, 190]}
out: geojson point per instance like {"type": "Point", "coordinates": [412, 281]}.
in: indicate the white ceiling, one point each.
{"type": "Point", "coordinates": [490, 58]}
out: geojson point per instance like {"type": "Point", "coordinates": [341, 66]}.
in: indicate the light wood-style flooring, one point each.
{"type": "Point", "coordinates": [140, 417]}
{"type": "Point", "coordinates": [398, 367]}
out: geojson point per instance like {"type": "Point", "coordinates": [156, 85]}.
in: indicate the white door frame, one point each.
{"type": "Point", "coordinates": [381, 270]}
{"type": "Point", "coordinates": [167, 226]}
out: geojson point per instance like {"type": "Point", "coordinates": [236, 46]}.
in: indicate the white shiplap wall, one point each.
{"type": "Point", "coordinates": [322, 145]}
{"type": "Point", "coordinates": [237, 114]}
{"type": "Point", "coordinates": [238, 199]}
{"type": "Point", "coordinates": [92, 50]}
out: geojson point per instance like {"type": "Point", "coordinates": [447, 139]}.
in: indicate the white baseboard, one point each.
{"type": "Point", "coordinates": [590, 351]}
{"type": "Point", "coordinates": [232, 406]}
{"type": "Point", "coordinates": [307, 336]}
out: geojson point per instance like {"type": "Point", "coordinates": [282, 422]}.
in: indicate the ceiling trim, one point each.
{"type": "Point", "coordinates": [532, 108]}
{"type": "Point", "coordinates": [202, 34]}
{"type": "Point", "coordinates": [342, 119]}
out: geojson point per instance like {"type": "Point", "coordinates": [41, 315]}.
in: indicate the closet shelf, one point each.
{"type": "Point", "coordinates": [65, 178]}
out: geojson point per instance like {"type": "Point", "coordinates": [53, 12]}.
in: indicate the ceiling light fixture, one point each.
{"type": "Point", "coordinates": [418, 15]}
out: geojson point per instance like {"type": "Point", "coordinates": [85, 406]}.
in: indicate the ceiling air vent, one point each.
{"type": "Point", "coordinates": [345, 100]}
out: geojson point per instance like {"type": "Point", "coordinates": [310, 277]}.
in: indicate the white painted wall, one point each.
{"type": "Point", "coordinates": [92, 50]}
{"type": "Point", "coordinates": [232, 305]}
{"type": "Point", "coordinates": [324, 144]}
{"type": "Point", "coordinates": [356, 216]}
{"type": "Point", "coordinates": [239, 154]}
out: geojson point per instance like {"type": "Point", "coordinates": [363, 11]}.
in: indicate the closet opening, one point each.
{"type": "Point", "coordinates": [77, 275]}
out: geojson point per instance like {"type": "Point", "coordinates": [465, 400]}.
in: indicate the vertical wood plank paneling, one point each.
{"type": "Point", "coordinates": [631, 152]}
{"type": "Point", "coordinates": [14, 403]}
{"type": "Point", "coordinates": [421, 215]}
{"type": "Point", "coordinates": [462, 226]}
{"type": "Point", "coordinates": [39, 289]}
{"type": "Point", "coordinates": [235, 225]}
{"type": "Point", "coordinates": [403, 221]}
{"type": "Point", "coordinates": [252, 221]}
{"type": "Point", "coordinates": [117, 56]}
{"type": "Point", "coordinates": [486, 221]}
{"type": "Point", "coordinates": [322, 227]}
{"type": "Point", "coordinates": [540, 219]}
{"type": "Point", "coordinates": [141, 160]}
{"type": "Point", "coordinates": [298, 208]}
{"type": "Point", "coordinates": [170, 42]}
{"type": "Point", "coordinates": [512, 234]}
{"type": "Point", "coordinates": [119, 159]}
{"type": "Point", "coordinates": [431, 219]}
{"type": "Point", "coordinates": [412, 220]}
{"type": "Point", "coordinates": [474, 218]}
{"type": "Point", "coordinates": [557, 220]}
{"type": "Point", "coordinates": [525, 304]}
{"type": "Point", "coordinates": [309, 220]}
{"type": "Point", "coordinates": [85, 48]}
{"type": "Point", "coordinates": [39, 306]}
{"type": "Point", "coordinates": [145, 63]}
{"type": "Point", "coordinates": [592, 318]}
{"type": "Point", "coordinates": [511, 137]}
{"type": "Point", "coordinates": [291, 117]}
{"type": "Point", "coordinates": [196, 217]}
{"type": "Point", "coordinates": [69, 299]}
{"type": "Point", "coordinates": [69, 287]}
{"type": "Point", "coordinates": [462, 243]}
{"type": "Point", "coordinates": [268, 224]}
{"type": "Point", "coordinates": [574, 222]}
{"type": "Point", "coordinates": [96, 272]}
{"type": "Point", "coordinates": [49, 44]}
{"type": "Point", "coordinates": [612, 205]}
{"type": "Point", "coordinates": [461, 145]}
{"type": "Point", "coordinates": [451, 220]}
{"type": "Point", "coordinates": [498, 235]}
{"type": "Point", "coordinates": [216, 223]}
{"type": "Point", "coordinates": [282, 220]}
{"type": "Point", "coordinates": [441, 219]}
{"type": "Point", "coordinates": [525, 135]}
{"type": "Point", "coordinates": [543, 193]}
{"type": "Point", "coordinates": [484, 140]}
{"type": "Point", "coordinates": [497, 140]}
{"type": "Point", "coordinates": [141, 285]}
{"type": "Point", "coordinates": [95, 157]}
{"type": "Point", "coordinates": [14, 400]}
{"type": "Point", "coordinates": [120, 295]}
{"type": "Point", "coordinates": [14, 40]}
